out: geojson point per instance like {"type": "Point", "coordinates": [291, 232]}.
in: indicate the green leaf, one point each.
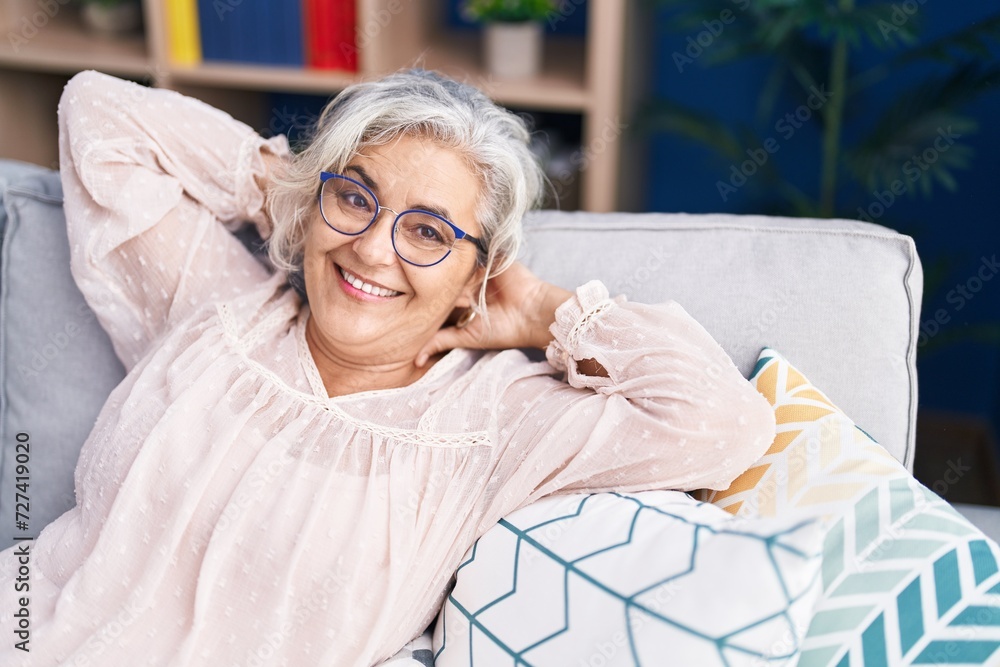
{"type": "Point", "coordinates": [922, 119]}
{"type": "Point", "coordinates": [508, 10]}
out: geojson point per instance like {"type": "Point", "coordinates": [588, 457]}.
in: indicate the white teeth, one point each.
{"type": "Point", "coordinates": [366, 287]}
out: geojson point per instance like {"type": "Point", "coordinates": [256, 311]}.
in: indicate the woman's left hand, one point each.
{"type": "Point", "coordinates": [521, 308]}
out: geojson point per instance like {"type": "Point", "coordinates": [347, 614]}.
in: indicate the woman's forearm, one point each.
{"type": "Point", "coordinates": [108, 125]}
{"type": "Point", "coordinates": [551, 297]}
{"type": "Point", "coordinates": [147, 177]}
{"type": "Point", "coordinates": [666, 406]}
{"type": "Point", "coordinates": [657, 357]}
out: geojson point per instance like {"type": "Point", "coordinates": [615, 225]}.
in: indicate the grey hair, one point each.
{"type": "Point", "coordinates": [455, 115]}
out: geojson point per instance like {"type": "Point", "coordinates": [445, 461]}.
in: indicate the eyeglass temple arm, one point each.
{"type": "Point", "coordinates": [479, 244]}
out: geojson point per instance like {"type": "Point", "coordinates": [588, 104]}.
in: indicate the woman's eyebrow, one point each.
{"type": "Point", "coordinates": [437, 210]}
{"type": "Point", "coordinates": [364, 177]}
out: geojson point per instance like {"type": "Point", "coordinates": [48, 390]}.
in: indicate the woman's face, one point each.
{"type": "Point", "coordinates": [410, 172]}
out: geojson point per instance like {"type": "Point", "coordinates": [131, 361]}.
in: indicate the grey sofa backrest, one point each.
{"type": "Point", "coordinates": [839, 298]}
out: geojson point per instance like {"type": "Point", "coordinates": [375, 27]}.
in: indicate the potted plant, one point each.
{"type": "Point", "coordinates": [112, 17]}
{"type": "Point", "coordinates": [513, 34]}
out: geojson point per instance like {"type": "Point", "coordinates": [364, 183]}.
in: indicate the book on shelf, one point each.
{"type": "Point", "coordinates": [330, 34]}
{"type": "Point", "coordinates": [240, 26]}
{"type": "Point", "coordinates": [291, 43]}
{"type": "Point", "coordinates": [268, 37]}
{"type": "Point", "coordinates": [214, 45]}
{"type": "Point", "coordinates": [317, 33]}
{"type": "Point", "coordinates": [183, 31]}
{"type": "Point", "coordinates": [270, 32]}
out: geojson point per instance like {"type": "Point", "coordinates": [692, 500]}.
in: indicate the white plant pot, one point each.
{"type": "Point", "coordinates": [112, 20]}
{"type": "Point", "coordinates": [513, 50]}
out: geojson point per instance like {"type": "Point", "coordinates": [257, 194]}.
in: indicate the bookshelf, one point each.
{"type": "Point", "coordinates": [585, 75]}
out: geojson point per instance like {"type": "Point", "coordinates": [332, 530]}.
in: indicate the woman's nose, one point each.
{"type": "Point", "coordinates": [374, 246]}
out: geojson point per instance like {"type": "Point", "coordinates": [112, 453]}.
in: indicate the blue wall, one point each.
{"type": "Point", "coordinates": [963, 226]}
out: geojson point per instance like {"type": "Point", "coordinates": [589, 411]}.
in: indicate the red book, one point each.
{"type": "Point", "coordinates": [330, 34]}
{"type": "Point", "coordinates": [346, 42]}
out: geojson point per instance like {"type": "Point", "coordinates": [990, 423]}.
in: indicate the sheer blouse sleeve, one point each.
{"type": "Point", "coordinates": [674, 413]}
{"type": "Point", "coordinates": [153, 184]}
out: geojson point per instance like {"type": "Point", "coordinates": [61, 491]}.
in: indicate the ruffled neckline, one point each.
{"type": "Point", "coordinates": [447, 363]}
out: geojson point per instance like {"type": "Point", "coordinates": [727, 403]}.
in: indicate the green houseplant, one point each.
{"type": "Point", "coordinates": [512, 34]}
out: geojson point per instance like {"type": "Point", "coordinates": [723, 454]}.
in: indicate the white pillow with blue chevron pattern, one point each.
{"type": "Point", "coordinates": [906, 579]}
{"type": "Point", "coordinates": [652, 578]}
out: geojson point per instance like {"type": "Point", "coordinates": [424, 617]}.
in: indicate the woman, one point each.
{"type": "Point", "coordinates": [292, 478]}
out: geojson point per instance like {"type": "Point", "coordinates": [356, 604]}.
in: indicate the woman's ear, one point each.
{"type": "Point", "coordinates": [470, 291]}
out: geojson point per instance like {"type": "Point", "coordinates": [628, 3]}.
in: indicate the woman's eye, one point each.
{"type": "Point", "coordinates": [428, 233]}
{"type": "Point", "coordinates": [355, 200]}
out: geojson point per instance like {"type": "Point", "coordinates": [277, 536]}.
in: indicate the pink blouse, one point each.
{"type": "Point", "coordinates": [228, 511]}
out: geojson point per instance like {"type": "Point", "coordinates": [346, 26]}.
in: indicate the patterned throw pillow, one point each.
{"type": "Point", "coordinates": [649, 578]}
{"type": "Point", "coordinates": [906, 579]}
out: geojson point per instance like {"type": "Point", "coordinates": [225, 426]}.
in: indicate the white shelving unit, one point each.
{"type": "Point", "coordinates": [584, 75]}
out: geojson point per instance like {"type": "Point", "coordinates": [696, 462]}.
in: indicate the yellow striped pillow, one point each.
{"type": "Point", "coordinates": [818, 460]}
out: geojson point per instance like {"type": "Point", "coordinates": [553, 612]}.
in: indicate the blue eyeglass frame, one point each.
{"type": "Point", "coordinates": [460, 234]}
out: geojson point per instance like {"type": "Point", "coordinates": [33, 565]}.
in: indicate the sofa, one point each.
{"type": "Point", "coordinates": [826, 312]}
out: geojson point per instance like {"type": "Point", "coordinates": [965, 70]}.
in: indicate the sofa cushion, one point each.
{"type": "Point", "coordinates": [906, 579]}
{"type": "Point", "coordinates": [57, 366]}
{"type": "Point", "coordinates": [627, 579]}
{"type": "Point", "coordinates": [841, 297]}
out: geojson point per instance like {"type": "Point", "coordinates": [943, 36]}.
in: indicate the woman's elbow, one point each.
{"type": "Point", "coordinates": [749, 433]}
{"type": "Point", "coordinates": [82, 86]}
{"type": "Point", "coordinates": [75, 103]}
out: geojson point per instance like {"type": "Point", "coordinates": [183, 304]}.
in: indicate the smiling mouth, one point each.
{"type": "Point", "coordinates": [367, 288]}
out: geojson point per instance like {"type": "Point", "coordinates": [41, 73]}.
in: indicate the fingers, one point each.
{"type": "Point", "coordinates": [445, 339]}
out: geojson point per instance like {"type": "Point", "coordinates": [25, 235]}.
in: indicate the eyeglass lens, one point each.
{"type": "Point", "coordinates": [420, 238]}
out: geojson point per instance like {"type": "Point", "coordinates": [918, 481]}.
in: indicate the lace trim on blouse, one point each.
{"type": "Point", "coordinates": [573, 318]}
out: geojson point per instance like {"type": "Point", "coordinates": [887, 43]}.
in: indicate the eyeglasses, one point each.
{"type": "Point", "coordinates": [419, 237]}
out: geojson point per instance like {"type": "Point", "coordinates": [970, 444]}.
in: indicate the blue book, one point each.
{"type": "Point", "coordinates": [213, 45]}
{"type": "Point", "coordinates": [292, 51]}
{"type": "Point", "coordinates": [232, 28]}
{"type": "Point", "coordinates": [263, 31]}
{"type": "Point", "coordinates": [240, 25]}
{"type": "Point", "coordinates": [253, 31]}
{"type": "Point", "coordinates": [267, 34]}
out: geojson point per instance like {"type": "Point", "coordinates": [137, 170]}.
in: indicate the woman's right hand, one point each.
{"type": "Point", "coordinates": [521, 308]}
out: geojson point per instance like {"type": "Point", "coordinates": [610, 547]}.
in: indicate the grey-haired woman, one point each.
{"type": "Point", "coordinates": [291, 476]}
